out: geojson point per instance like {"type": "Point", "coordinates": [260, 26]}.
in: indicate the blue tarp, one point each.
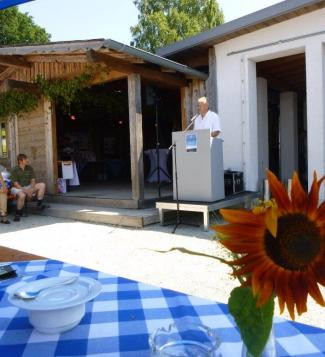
{"type": "Point", "coordinates": [8, 3]}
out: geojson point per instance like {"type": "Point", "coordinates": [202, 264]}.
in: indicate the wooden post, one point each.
{"type": "Point", "coordinates": [136, 136]}
{"type": "Point", "coordinates": [13, 140]}
{"type": "Point", "coordinates": [211, 83]}
{"type": "Point", "coordinates": [185, 106]}
{"type": "Point", "coordinates": [49, 152]}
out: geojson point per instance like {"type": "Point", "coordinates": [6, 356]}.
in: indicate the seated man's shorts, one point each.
{"type": "Point", "coordinates": [15, 190]}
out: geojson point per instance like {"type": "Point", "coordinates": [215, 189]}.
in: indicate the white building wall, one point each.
{"type": "Point", "coordinates": [315, 66]}
{"type": "Point", "coordinates": [236, 85]}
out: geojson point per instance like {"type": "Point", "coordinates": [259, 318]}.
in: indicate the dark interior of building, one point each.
{"type": "Point", "coordinates": [94, 131]}
{"type": "Point", "coordinates": [285, 74]}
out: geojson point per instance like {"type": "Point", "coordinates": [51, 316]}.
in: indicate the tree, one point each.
{"type": "Point", "coordinates": [162, 22]}
{"type": "Point", "coordinates": [19, 28]}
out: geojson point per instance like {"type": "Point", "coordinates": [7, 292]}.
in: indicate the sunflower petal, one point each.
{"type": "Point", "coordinates": [320, 215]}
{"type": "Point", "coordinates": [313, 289]}
{"type": "Point", "coordinates": [300, 292]}
{"type": "Point", "coordinates": [313, 196]}
{"type": "Point", "coordinates": [242, 217]}
{"type": "Point", "coordinates": [271, 220]}
{"type": "Point", "coordinates": [319, 271]}
{"type": "Point", "coordinates": [266, 293]}
{"type": "Point", "coordinates": [279, 192]}
{"type": "Point", "coordinates": [298, 194]}
{"type": "Point", "coordinates": [239, 231]}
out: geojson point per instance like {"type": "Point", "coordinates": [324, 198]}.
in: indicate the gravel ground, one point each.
{"type": "Point", "coordinates": [137, 254]}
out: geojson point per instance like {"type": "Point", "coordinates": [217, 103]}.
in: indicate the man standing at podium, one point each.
{"type": "Point", "coordinates": [207, 119]}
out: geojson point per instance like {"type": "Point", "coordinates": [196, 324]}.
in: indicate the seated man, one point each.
{"type": "Point", "coordinates": [24, 185]}
{"type": "Point", "coordinates": [3, 198]}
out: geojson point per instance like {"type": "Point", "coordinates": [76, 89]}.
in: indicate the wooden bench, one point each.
{"type": "Point", "coordinates": [12, 255]}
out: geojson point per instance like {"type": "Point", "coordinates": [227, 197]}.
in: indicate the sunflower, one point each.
{"type": "Point", "coordinates": [281, 248]}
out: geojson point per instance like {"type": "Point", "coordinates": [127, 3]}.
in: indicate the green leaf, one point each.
{"type": "Point", "coordinates": [254, 323]}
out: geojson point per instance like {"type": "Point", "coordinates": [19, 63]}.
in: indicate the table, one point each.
{"type": "Point", "coordinates": [119, 321]}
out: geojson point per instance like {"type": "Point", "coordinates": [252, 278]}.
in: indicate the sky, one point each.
{"type": "Point", "coordinates": [84, 19]}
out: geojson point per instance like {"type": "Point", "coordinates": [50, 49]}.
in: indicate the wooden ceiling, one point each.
{"type": "Point", "coordinates": [114, 65]}
{"type": "Point", "coordinates": [285, 73]}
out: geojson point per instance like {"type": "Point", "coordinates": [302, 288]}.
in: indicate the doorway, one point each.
{"type": "Point", "coordinates": [286, 116]}
{"type": "Point", "coordinates": [94, 136]}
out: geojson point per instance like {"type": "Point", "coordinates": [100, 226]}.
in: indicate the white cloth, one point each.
{"type": "Point", "coordinates": [210, 121]}
{"type": "Point", "coordinates": [67, 170]}
{"type": "Point", "coordinates": [75, 179]}
{"type": "Point", "coordinates": [163, 170]}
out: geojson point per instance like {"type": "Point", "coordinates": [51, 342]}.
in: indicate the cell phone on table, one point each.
{"type": "Point", "coordinates": [7, 272]}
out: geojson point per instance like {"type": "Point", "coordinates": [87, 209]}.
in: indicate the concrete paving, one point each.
{"type": "Point", "coordinates": [148, 255]}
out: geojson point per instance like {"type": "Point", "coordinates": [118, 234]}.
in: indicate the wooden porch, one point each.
{"type": "Point", "coordinates": [110, 61]}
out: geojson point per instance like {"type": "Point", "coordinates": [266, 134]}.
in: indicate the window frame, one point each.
{"type": "Point", "coordinates": [3, 125]}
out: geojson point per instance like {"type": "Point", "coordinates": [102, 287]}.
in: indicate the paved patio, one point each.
{"type": "Point", "coordinates": [136, 254]}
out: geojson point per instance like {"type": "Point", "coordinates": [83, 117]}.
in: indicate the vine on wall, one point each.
{"type": "Point", "coordinates": [15, 102]}
{"type": "Point", "coordinates": [64, 91]}
{"type": "Point", "coordinates": [60, 91]}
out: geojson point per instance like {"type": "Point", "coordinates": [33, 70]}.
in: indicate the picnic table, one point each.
{"type": "Point", "coordinates": [118, 322]}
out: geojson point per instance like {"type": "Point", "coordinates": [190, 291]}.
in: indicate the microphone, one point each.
{"type": "Point", "coordinates": [195, 116]}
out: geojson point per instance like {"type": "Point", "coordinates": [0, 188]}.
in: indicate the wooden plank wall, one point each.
{"type": "Point", "coordinates": [189, 98]}
{"type": "Point", "coordinates": [48, 70]}
{"type": "Point", "coordinates": [31, 138]}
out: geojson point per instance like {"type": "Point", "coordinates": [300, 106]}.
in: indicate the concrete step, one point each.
{"type": "Point", "coordinates": [113, 216]}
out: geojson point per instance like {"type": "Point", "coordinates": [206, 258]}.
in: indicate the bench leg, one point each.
{"type": "Point", "coordinates": [206, 220]}
{"type": "Point", "coordinates": [161, 216]}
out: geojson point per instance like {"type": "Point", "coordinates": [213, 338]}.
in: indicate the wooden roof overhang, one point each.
{"type": "Point", "coordinates": [68, 59]}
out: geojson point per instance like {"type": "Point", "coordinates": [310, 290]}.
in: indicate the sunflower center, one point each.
{"type": "Point", "coordinates": [297, 244]}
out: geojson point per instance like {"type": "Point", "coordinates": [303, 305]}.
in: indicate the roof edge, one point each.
{"type": "Point", "coordinates": [268, 13]}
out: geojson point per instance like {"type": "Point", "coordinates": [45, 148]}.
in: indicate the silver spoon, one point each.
{"type": "Point", "coordinates": [29, 295]}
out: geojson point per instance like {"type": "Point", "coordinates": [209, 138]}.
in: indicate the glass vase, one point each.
{"type": "Point", "coordinates": [269, 349]}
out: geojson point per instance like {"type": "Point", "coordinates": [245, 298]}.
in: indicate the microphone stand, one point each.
{"type": "Point", "coordinates": [174, 148]}
{"type": "Point", "coordinates": [158, 168]}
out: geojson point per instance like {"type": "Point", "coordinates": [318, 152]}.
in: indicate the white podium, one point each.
{"type": "Point", "coordinates": [199, 160]}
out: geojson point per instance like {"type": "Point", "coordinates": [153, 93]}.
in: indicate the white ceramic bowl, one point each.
{"type": "Point", "coordinates": [56, 309]}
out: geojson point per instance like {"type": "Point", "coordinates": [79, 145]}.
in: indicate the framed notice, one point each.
{"type": "Point", "coordinates": [191, 142]}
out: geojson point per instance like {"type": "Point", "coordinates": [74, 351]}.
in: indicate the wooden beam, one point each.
{"type": "Point", "coordinates": [57, 58]}
{"type": "Point", "coordinates": [129, 68]}
{"type": "Point", "coordinates": [281, 85]}
{"type": "Point", "coordinates": [186, 106]}
{"type": "Point", "coordinates": [211, 83]}
{"type": "Point", "coordinates": [14, 61]}
{"type": "Point", "coordinates": [136, 136]}
{"type": "Point", "coordinates": [49, 148]}
{"type": "Point", "coordinates": [7, 73]}
{"type": "Point", "coordinates": [25, 86]}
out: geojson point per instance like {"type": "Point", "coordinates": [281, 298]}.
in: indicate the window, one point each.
{"type": "Point", "coordinates": [3, 140]}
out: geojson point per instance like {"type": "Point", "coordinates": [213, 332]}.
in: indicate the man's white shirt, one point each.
{"type": "Point", "coordinates": [210, 121]}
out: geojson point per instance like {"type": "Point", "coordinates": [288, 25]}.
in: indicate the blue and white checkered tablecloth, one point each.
{"type": "Point", "coordinates": [119, 321]}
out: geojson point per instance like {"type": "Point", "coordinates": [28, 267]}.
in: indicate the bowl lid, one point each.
{"type": "Point", "coordinates": [55, 298]}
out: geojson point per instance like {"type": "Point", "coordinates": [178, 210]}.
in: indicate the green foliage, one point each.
{"type": "Point", "coordinates": [254, 323]}
{"type": "Point", "coordinates": [15, 102]}
{"type": "Point", "coordinates": [162, 22]}
{"type": "Point", "coordinates": [19, 28]}
{"type": "Point", "coordinates": [62, 91]}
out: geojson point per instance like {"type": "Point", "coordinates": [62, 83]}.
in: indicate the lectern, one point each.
{"type": "Point", "coordinates": [199, 163]}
